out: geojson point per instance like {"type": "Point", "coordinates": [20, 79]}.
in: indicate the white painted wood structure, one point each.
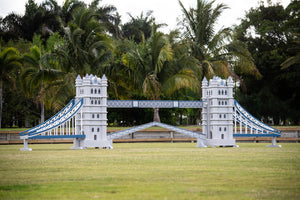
{"type": "Point", "coordinates": [85, 117]}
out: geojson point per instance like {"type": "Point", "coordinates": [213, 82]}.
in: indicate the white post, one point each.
{"type": "Point", "coordinates": [81, 122]}
{"type": "Point", "coordinates": [26, 146]}
{"type": "Point", "coordinates": [235, 114]}
{"type": "Point", "coordinates": [273, 143]}
{"type": "Point", "coordinates": [73, 127]}
{"type": "Point", "coordinates": [63, 128]}
{"type": "Point", "coordinates": [200, 143]}
{"type": "Point", "coordinates": [241, 130]}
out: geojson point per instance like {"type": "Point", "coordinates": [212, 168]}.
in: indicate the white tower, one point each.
{"type": "Point", "coordinates": [217, 113]}
{"type": "Point", "coordinates": [92, 120]}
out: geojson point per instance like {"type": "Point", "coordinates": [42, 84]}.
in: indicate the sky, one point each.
{"type": "Point", "coordinates": [164, 11]}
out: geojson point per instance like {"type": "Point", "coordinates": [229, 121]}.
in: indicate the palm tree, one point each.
{"type": "Point", "coordinates": [149, 66]}
{"type": "Point", "coordinates": [39, 71]}
{"type": "Point", "coordinates": [138, 27]}
{"type": "Point", "coordinates": [87, 46]}
{"type": "Point", "coordinates": [9, 62]}
{"type": "Point", "coordinates": [296, 49]}
{"type": "Point", "coordinates": [218, 53]}
{"type": "Point", "coordinates": [68, 7]}
{"type": "Point", "coordinates": [108, 16]}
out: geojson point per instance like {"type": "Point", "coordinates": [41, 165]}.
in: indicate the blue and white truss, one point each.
{"type": "Point", "coordinates": [255, 127]}
{"type": "Point", "coordinates": [63, 119]}
{"type": "Point", "coordinates": [153, 104]}
{"type": "Point", "coordinates": [119, 134]}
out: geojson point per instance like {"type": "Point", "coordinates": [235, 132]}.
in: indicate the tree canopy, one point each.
{"type": "Point", "coordinates": [269, 32]}
{"type": "Point", "coordinates": [42, 52]}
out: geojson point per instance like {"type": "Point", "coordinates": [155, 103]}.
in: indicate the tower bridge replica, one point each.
{"type": "Point", "coordinates": [85, 118]}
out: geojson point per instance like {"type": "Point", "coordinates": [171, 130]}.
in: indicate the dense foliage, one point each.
{"type": "Point", "coordinates": [42, 51]}
{"type": "Point", "coordinates": [270, 34]}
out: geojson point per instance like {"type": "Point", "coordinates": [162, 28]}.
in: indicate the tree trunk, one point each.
{"type": "Point", "coordinates": [156, 117]}
{"type": "Point", "coordinates": [42, 112]}
{"type": "Point", "coordinates": [42, 106]}
{"type": "Point", "coordinates": [27, 124]}
{"type": "Point", "coordinates": [1, 91]}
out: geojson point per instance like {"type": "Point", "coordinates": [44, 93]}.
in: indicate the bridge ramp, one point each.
{"type": "Point", "coordinates": [252, 126]}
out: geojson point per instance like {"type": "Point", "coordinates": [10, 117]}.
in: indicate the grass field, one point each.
{"type": "Point", "coordinates": [150, 171]}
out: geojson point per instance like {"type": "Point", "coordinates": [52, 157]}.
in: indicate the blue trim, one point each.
{"type": "Point", "coordinates": [56, 136]}
{"type": "Point", "coordinates": [256, 135]}
{"type": "Point", "coordinates": [29, 130]}
{"type": "Point", "coordinates": [276, 130]}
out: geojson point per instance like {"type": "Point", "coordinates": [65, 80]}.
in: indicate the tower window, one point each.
{"type": "Point", "coordinates": [222, 136]}
{"type": "Point", "coordinates": [225, 92]}
{"type": "Point", "coordinates": [98, 101]}
{"type": "Point", "coordinates": [224, 128]}
{"type": "Point", "coordinates": [225, 102]}
{"type": "Point", "coordinates": [92, 129]}
{"type": "Point", "coordinates": [224, 115]}
{"type": "Point", "coordinates": [219, 92]}
{"type": "Point", "coordinates": [220, 129]}
{"type": "Point", "coordinates": [97, 115]}
{"type": "Point", "coordinates": [222, 92]}
{"type": "Point", "coordinates": [220, 116]}
{"type": "Point", "coordinates": [92, 91]}
{"type": "Point", "coordinates": [93, 115]}
{"type": "Point", "coordinates": [95, 91]}
{"type": "Point", "coordinates": [92, 102]}
{"type": "Point", "coordinates": [98, 91]}
{"type": "Point", "coordinates": [98, 129]}
{"type": "Point", "coordinates": [95, 137]}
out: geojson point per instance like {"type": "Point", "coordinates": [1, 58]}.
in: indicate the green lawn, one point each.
{"type": "Point", "coordinates": [150, 171]}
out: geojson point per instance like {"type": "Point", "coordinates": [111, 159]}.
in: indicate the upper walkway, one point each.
{"type": "Point", "coordinates": [153, 104]}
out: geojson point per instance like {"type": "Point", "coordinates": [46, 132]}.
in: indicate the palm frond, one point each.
{"type": "Point", "coordinates": [290, 61]}
{"type": "Point", "coordinates": [184, 79]}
